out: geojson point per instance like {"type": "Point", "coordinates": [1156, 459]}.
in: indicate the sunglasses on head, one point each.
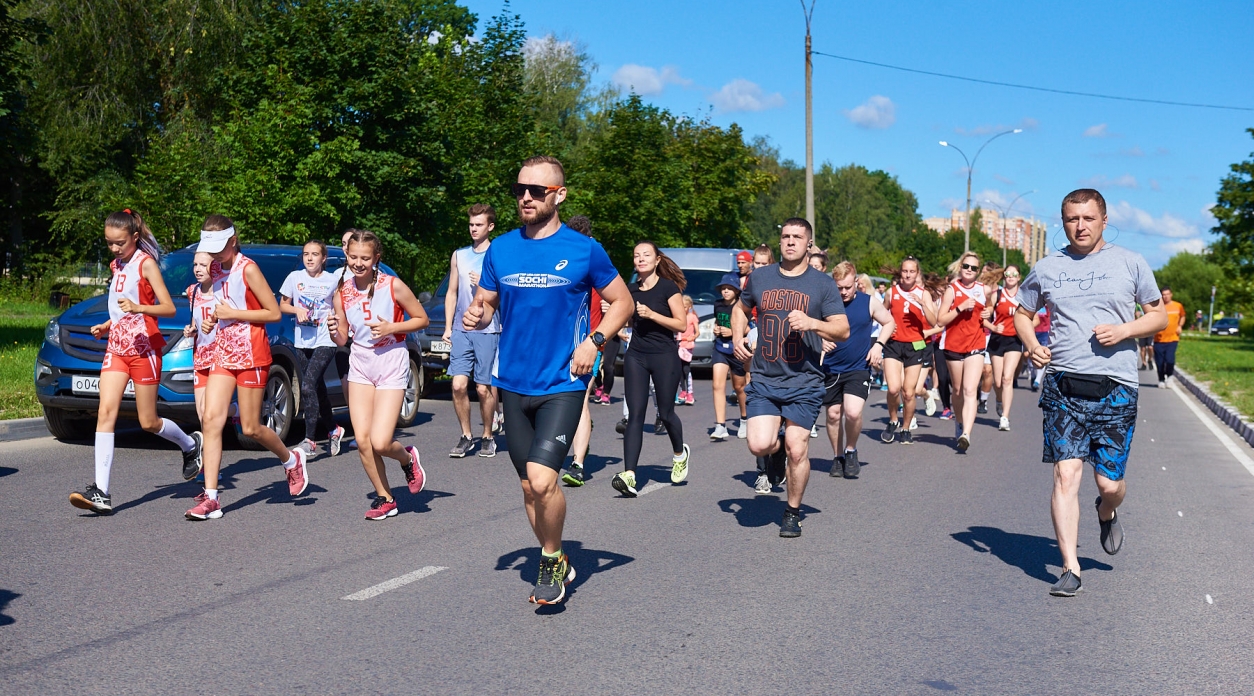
{"type": "Point", "coordinates": [969, 267]}
{"type": "Point", "coordinates": [537, 191]}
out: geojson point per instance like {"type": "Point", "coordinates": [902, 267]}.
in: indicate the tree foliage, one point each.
{"type": "Point", "coordinates": [1234, 250]}
{"type": "Point", "coordinates": [1190, 277]}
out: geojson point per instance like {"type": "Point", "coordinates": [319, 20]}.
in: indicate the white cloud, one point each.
{"type": "Point", "coordinates": [647, 81]}
{"type": "Point", "coordinates": [1131, 218]}
{"type": "Point", "coordinates": [1193, 246]}
{"type": "Point", "coordinates": [1101, 181]}
{"type": "Point", "coordinates": [1098, 131]}
{"type": "Point", "coordinates": [878, 112]}
{"type": "Point", "coordinates": [743, 95]}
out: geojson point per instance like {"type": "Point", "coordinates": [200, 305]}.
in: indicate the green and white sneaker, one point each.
{"type": "Point", "coordinates": [679, 466]}
{"type": "Point", "coordinates": [625, 482]}
{"type": "Point", "coordinates": [573, 476]}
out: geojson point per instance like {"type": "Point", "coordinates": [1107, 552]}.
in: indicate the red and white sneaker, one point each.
{"type": "Point", "coordinates": [206, 509]}
{"type": "Point", "coordinates": [298, 476]}
{"type": "Point", "coordinates": [415, 476]}
{"type": "Point", "coordinates": [381, 508]}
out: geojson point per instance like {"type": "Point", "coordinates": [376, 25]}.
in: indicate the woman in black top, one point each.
{"type": "Point", "coordinates": [653, 353]}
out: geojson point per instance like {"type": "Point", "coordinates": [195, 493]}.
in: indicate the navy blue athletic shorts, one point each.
{"type": "Point", "coordinates": [801, 406]}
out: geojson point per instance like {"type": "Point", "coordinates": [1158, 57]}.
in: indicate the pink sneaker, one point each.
{"type": "Point", "coordinates": [415, 476]}
{"type": "Point", "coordinates": [381, 508]}
{"type": "Point", "coordinates": [605, 399]}
{"type": "Point", "coordinates": [206, 509]}
{"type": "Point", "coordinates": [298, 476]}
{"type": "Point", "coordinates": [691, 399]}
{"type": "Point", "coordinates": [596, 396]}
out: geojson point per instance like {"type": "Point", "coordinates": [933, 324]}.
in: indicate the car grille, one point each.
{"type": "Point", "coordinates": [78, 342]}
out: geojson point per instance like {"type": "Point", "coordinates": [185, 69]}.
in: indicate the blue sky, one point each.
{"type": "Point", "coordinates": [1158, 166]}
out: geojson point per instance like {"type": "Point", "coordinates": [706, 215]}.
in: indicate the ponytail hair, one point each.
{"type": "Point", "coordinates": [135, 226]}
{"type": "Point", "coordinates": [362, 237]}
{"type": "Point", "coordinates": [666, 266]}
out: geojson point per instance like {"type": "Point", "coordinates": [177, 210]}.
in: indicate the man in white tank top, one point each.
{"type": "Point", "coordinates": [474, 352]}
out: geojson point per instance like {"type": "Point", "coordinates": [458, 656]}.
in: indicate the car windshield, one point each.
{"type": "Point", "coordinates": [176, 268]}
{"type": "Point", "coordinates": [1226, 322]}
{"type": "Point", "coordinates": [702, 285]}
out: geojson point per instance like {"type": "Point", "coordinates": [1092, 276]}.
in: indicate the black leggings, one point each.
{"type": "Point", "coordinates": [685, 376]}
{"type": "Point", "coordinates": [664, 368]}
{"type": "Point", "coordinates": [540, 428]}
{"type": "Point", "coordinates": [313, 390]}
{"type": "Point", "coordinates": [609, 355]}
{"type": "Point", "coordinates": [942, 376]}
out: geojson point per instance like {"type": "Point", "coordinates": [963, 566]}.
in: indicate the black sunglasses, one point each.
{"type": "Point", "coordinates": [969, 267]}
{"type": "Point", "coordinates": [537, 191]}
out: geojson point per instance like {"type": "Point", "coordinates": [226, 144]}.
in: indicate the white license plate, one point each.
{"type": "Point", "coordinates": [85, 384]}
{"type": "Point", "coordinates": [441, 347]}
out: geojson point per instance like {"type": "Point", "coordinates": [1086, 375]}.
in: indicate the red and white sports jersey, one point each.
{"type": "Point", "coordinates": [132, 334]}
{"type": "Point", "coordinates": [966, 333]}
{"type": "Point", "coordinates": [240, 345]}
{"type": "Point", "coordinates": [1004, 312]}
{"type": "Point", "coordinates": [361, 310]}
{"type": "Point", "coordinates": [907, 310]}
{"type": "Point", "coordinates": [206, 343]}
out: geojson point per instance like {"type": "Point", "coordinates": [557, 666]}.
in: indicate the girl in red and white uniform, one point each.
{"type": "Point", "coordinates": [241, 361]}
{"type": "Point", "coordinates": [913, 312]}
{"type": "Point", "coordinates": [1004, 346]}
{"type": "Point", "coordinates": [370, 306]}
{"type": "Point", "coordinates": [137, 297]}
{"type": "Point", "coordinates": [963, 309]}
{"type": "Point", "coordinates": [204, 334]}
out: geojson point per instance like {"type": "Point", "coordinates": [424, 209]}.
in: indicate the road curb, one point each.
{"type": "Point", "coordinates": [1226, 413]}
{"type": "Point", "coordinates": [23, 429]}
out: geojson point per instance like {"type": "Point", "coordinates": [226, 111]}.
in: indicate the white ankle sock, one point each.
{"type": "Point", "coordinates": [212, 493]}
{"type": "Point", "coordinates": [984, 396]}
{"type": "Point", "coordinates": [291, 461]}
{"type": "Point", "coordinates": [175, 434]}
{"type": "Point", "coordinates": [104, 460]}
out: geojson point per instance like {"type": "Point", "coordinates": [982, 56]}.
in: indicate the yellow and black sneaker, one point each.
{"type": "Point", "coordinates": [574, 476]}
{"type": "Point", "coordinates": [555, 574]}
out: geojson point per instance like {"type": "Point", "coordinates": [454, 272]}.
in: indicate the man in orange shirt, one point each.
{"type": "Point", "coordinates": [1165, 341]}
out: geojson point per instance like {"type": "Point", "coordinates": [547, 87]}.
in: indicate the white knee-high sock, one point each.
{"type": "Point", "coordinates": [175, 434]}
{"type": "Point", "coordinates": [104, 460]}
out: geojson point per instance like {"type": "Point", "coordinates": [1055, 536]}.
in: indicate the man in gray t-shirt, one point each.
{"type": "Point", "coordinates": [1089, 391]}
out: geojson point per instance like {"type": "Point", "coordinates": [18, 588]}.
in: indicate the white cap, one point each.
{"type": "Point", "coordinates": [215, 241]}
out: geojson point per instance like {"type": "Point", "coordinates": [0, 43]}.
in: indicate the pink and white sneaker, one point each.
{"type": "Point", "coordinates": [415, 476]}
{"type": "Point", "coordinates": [206, 509]}
{"type": "Point", "coordinates": [381, 508]}
{"type": "Point", "coordinates": [298, 476]}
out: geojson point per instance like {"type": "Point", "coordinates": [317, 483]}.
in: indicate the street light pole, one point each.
{"type": "Point", "coordinates": [966, 244]}
{"type": "Point", "coordinates": [809, 13]}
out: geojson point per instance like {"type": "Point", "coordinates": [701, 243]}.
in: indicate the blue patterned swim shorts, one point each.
{"type": "Point", "coordinates": [1098, 431]}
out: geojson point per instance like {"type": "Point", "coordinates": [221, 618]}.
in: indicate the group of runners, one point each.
{"type": "Point", "coordinates": [532, 313]}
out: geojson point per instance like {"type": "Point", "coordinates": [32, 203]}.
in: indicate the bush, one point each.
{"type": "Point", "coordinates": [1247, 328]}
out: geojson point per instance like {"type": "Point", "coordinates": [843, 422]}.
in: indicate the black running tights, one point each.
{"type": "Point", "coordinates": [313, 390]}
{"type": "Point", "coordinates": [609, 355]}
{"type": "Point", "coordinates": [942, 376]}
{"type": "Point", "coordinates": [665, 369]}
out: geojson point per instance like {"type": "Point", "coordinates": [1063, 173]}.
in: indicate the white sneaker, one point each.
{"type": "Point", "coordinates": [762, 486]}
{"type": "Point", "coordinates": [814, 431]}
{"type": "Point", "coordinates": [914, 423]}
{"type": "Point", "coordinates": [720, 432]}
{"type": "Point", "coordinates": [742, 430]}
{"type": "Point", "coordinates": [1005, 424]}
{"type": "Point", "coordinates": [929, 406]}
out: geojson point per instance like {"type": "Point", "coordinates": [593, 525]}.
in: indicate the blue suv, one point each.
{"type": "Point", "coordinates": [67, 370]}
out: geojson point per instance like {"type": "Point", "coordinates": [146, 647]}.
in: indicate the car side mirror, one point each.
{"type": "Point", "coordinates": [424, 297]}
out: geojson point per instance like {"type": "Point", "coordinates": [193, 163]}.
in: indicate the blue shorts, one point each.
{"type": "Point", "coordinates": [474, 356]}
{"type": "Point", "coordinates": [800, 406]}
{"type": "Point", "coordinates": [1098, 431]}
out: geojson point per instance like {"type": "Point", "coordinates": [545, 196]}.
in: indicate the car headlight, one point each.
{"type": "Point", "coordinates": [705, 330]}
{"type": "Point", "coordinates": [52, 333]}
{"type": "Point", "coordinates": [185, 343]}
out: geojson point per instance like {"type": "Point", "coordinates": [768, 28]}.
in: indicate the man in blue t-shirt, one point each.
{"type": "Point", "coordinates": [538, 278]}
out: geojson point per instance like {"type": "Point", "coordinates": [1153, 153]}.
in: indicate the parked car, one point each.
{"type": "Point", "coordinates": [67, 370]}
{"type": "Point", "coordinates": [1228, 326]}
{"type": "Point", "coordinates": [435, 350]}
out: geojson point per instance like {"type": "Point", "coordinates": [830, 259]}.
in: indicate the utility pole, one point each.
{"type": "Point", "coordinates": [809, 13]}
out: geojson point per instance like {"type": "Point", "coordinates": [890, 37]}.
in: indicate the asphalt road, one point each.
{"type": "Point", "coordinates": [928, 573]}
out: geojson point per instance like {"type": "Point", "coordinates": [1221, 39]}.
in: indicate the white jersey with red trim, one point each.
{"type": "Point", "coordinates": [132, 334]}
{"type": "Point", "coordinates": [361, 310]}
{"type": "Point", "coordinates": [206, 343]}
{"type": "Point", "coordinates": [240, 345]}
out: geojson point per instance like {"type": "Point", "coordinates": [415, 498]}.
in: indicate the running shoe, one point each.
{"type": "Point", "coordinates": [947, 414]}
{"type": "Point", "coordinates": [679, 466]}
{"type": "Point", "coordinates": [679, 399]}
{"type": "Point", "coordinates": [621, 426]}
{"type": "Point", "coordinates": [838, 465]}
{"type": "Point", "coordinates": [762, 486]}
{"type": "Point", "coordinates": [415, 475]}
{"type": "Point", "coordinates": [573, 476]}
{"type": "Point", "coordinates": [790, 526]}
{"type": "Point", "coordinates": [381, 508]}
{"type": "Point", "coordinates": [929, 404]}
{"type": "Point", "coordinates": [890, 432]}
{"type": "Point", "coordinates": [905, 437]}
{"type": "Point", "coordinates": [625, 482]}
{"type": "Point", "coordinates": [814, 431]}
{"type": "Point", "coordinates": [298, 476]}
{"type": "Point", "coordinates": [1036, 385]}
{"type": "Point", "coordinates": [999, 409]}
{"type": "Point", "coordinates": [309, 447]}
{"type": "Point", "coordinates": [982, 407]}
{"type": "Point", "coordinates": [605, 399]}
{"type": "Point", "coordinates": [206, 509]}
{"type": "Point", "coordinates": [884, 386]}
{"type": "Point", "coordinates": [1067, 586]}
{"type": "Point", "coordinates": [463, 447]}
{"type": "Point", "coordinates": [193, 459]}
{"type": "Point", "coordinates": [1112, 531]}
{"type": "Point", "coordinates": [555, 575]}
{"type": "Point", "coordinates": [720, 432]}
{"type": "Point", "coordinates": [964, 443]}
{"type": "Point", "coordinates": [914, 423]}
{"type": "Point", "coordinates": [93, 499]}
{"type": "Point", "coordinates": [335, 440]}
{"type": "Point", "coordinates": [487, 447]}
{"type": "Point", "coordinates": [852, 466]}
{"type": "Point", "coordinates": [1005, 424]}
{"type": "Point", "coordinates": [596, 396]}
{"type": "Point", "coordinates": [690, 399]}
{"type": "Point", "coordinates": [498, 422]}
{"type": "Point", "coordinates": [742, 430]}
{"type": "Point", "coordinates": [659, 428]}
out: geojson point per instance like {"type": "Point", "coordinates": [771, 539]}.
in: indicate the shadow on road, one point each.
{"type": "Point", "coordinates": [275, 494]}
{"type": "Point", "coordinates": [1024, 551]}
{"type": "Point", "coordinates": [587, 562]}
{"type": "Point", "coordinates": [595, 462]}
{"type": "Point", "coordinates": [7, 596]}
{"type": "Point", "coordinates": [407, 503]}
{"type": "Point", "coordinates": [760, 510]}
{"type": "Point", "coordinates": [169, 490]}
{"type": "Point", "coordinates": [7, 471]}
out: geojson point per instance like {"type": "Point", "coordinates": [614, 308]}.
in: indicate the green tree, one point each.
{"type": "Point", "coordinates": [24, 190]}
{"type": "Point", "coordinates": [1190, 277]}
{"type": "Point", "coordinates": [1234, 250]}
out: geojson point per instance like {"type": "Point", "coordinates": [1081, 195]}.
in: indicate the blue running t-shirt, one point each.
{"type": "Point", "coordinates": [543, 305]}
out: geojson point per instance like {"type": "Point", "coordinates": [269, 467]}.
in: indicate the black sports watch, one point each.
{"type": "Point", "coordinates": [598, 339]}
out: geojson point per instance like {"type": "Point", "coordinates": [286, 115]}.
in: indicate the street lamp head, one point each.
{"type": "Point", "coordinates": [944, 144]}
{"type": "Point", "coordinates": [1017, 130]}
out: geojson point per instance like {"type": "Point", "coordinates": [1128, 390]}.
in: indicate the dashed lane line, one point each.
{"type": "Point", "coordinates": [394, 583]}
{"type": "Point", "coordinates": [1236, 452]}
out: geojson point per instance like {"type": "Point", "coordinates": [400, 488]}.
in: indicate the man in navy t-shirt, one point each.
{"type": "Point", "coordinates": [539, 279]}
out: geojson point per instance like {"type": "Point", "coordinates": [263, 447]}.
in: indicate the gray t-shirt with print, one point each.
{"type": "Point", "coordinates": [1083, 292]}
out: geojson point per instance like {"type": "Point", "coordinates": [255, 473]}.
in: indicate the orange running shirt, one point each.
{"type": "Point", "coordinates": [1171, 334]}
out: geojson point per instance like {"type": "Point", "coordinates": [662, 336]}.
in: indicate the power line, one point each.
{"type": "Point", "coordinates": [1033, 88]}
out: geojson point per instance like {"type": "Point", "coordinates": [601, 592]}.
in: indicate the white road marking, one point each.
{"type": "Point", "coordinates": [1180, 513]}
{"type": "Point", "coordinates": [1209, 600]}
{"type": "Point", "coordinates": [394, 583]}
{"type": "Point", "coordinates": [1239, 455]}
{"type": "Point", "coordinates": [656, 485]}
